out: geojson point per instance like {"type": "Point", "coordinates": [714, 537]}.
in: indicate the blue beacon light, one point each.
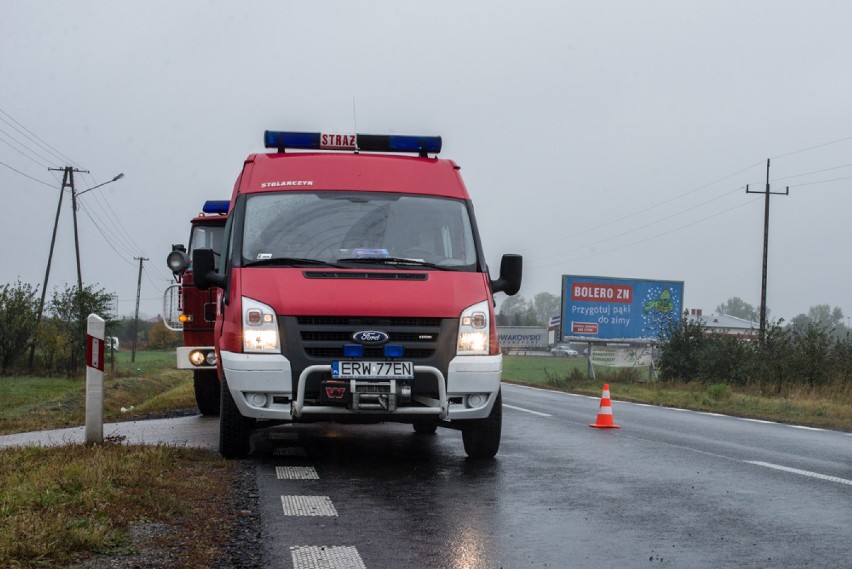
{"type": "Point", "coordinates": [216, 206]}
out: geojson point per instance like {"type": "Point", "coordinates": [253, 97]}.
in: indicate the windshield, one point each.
{"type": "Point", "coordinates": [207, 237]}
{"type": "Point", "coordinates": [340, 228]}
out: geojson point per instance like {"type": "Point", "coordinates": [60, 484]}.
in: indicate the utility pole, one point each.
{"type": "Point", "coordinates": [67, 182]}
{"type": "Point", "coordinates": [136, 318]}
{"type": "Point", "coordinates": [767, 193]}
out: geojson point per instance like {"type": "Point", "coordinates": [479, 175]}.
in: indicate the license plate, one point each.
{"type": "Point", "coordinates": [351, 369]}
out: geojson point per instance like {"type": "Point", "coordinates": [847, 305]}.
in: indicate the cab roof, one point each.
{"type": "Point", "coordinates": [329, 171]}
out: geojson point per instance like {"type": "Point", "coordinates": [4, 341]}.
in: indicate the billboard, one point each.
{"type": "Point", "coordinates": [603, 308]}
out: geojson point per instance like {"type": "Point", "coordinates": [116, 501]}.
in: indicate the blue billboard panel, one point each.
{"type": "Point", "coordinates": [602, 308]}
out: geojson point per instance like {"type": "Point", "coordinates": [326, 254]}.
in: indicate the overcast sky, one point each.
{"type": "Point", "coordinates": [596, 138]}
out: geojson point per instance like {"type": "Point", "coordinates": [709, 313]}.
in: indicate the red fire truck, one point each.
{"type": "Point", "coordinates": [193, 311]}
{"type": "Point", "coordinates": [353, 288]}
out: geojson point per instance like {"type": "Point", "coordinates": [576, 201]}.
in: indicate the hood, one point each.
{"type": "Point", "coordinates": [330, 292]}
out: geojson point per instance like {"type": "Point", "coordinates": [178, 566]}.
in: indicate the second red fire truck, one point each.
{"type": "Point", "coordinates": [192, 311]}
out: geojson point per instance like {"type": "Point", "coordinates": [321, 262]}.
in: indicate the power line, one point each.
{"type": "Point", "coordinates": [811, 172]}
{"type": "Point", "coordinates": [641, 211]}
{"type": "Point", "coordinates": [113, 217]}
{"type": "Point", "coordinates": [106, 229]}
{"type": "Point", "coordinates": [629, 231]}
{"type": "Point", "coordinates": [652, 237]}
{"type": "Point", "coordinates": [21, 152]}
{"type": "Point", "coordinates": [668, 201]}
{"type": "Point", "coordinates": [35, 138]}
{"type": "Point", "coordinates": [158, 287]}
{"type": "Point", "coordinates": [820, 182]}
{"type": "Point", "coordinates": [844, 139]}
{"type": "Point", "coordinates": [106, 239]}
{"type": "Point", "coordinates": [27, 175]}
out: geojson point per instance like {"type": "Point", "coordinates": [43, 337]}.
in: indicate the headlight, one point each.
{"type": "Point", "coordinates": [260, 327]}
{"type": "Point", "coordinates": [474, 331]}
{"type": "Point", "coordinates": [202, 357]}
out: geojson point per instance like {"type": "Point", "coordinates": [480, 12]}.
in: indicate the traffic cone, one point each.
{"type": "Point", "coordinates": [605, 414]}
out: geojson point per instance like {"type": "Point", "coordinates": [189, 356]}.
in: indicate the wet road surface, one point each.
{"type": "Point", "coordinates": [670, 488]}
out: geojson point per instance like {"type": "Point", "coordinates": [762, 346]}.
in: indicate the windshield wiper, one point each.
{"type": "Point", "coordinates": [395, 261]}
{"type": "Point", "coordinates": [288, 262]}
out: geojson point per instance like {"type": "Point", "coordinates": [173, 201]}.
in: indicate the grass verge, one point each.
{"type": "Point", "coordinates": [60, 505]}
{"type": "Point", "coordinates": [149, 386]}
{"type": "Point", "coordinates": [829, 407]}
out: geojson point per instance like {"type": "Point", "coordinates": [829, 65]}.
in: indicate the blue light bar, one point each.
{"type": "Point", "coordinates": [216, 206]}
{"type": "Point", "coordinates": [300, 140]}
{"type": "Point", "coordinates": [421, 145]}
{"type": "Point", "coordinates": [353, 351]}
{"type": "Point", "coordinates": [393, 351]}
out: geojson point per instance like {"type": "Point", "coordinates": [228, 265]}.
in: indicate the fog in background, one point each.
{"type": "Point", "coordinates": [596, 138]}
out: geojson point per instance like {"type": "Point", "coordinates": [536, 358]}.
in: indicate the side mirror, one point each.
{"type": "Point", "coordinates": [511, 270]}
{"type": "Point", "coordinates": [204, 274]}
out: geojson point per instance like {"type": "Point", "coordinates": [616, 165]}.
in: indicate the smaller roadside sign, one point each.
{"type": "Point", "coordinates": [522, 336]}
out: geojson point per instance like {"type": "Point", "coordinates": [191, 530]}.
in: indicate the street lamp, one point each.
{"type": "Point", "coordinates": [74, 194]}
{"type": "Point", "coordinates": [117, 178]}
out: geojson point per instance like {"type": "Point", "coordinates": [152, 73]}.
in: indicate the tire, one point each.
{"type": "Point", "coordinates": [234, 429]}
{"type": "Point", "coordinates": [481, 437]}
{"type": "Point", "coordinates": [207, 391]}
{"type": "Point", "coordinates": [425, 427]}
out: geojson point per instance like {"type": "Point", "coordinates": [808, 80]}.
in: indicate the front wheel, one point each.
{"type": "Point", "coordinates": [207, 391]}
{"type": "Point", "coordinates": [234, 429]}
{"type": "Point", "coordinates": [481, 437]}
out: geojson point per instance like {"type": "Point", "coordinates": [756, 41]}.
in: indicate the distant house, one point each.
{"type": "Point", "coordinates": [725, 324]}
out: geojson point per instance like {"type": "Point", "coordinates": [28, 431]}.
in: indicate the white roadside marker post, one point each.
{"type": "Point", "coordinates": [95, 330]}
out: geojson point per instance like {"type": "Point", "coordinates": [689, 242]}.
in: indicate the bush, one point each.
{"type": "Point", "coordinates": [809, 356]}
{"type": "Point", "coordinates": [681, 347]}
{"type": "Point", "coordinates": [727, 359]}
{"type": "Point", "coordinates": [69, 310]}
{"type": "Point", "coordinates": [161, 338]}
{"type": "Point", "coordinates": [718, 391]}
{"type": "Point", "coordinates": [812, 355]}
{"type": "Point", "coordinates": [18, 314]}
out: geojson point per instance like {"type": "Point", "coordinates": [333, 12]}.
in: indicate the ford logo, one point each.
{"type": "Point", "coordinates": [370, 337]}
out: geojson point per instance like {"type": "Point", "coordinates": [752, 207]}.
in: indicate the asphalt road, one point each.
{"type": "Point", "coordinates": [669, 489]}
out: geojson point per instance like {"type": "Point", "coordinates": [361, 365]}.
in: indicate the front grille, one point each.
{"type": "Point", "coordinates": [318, 340]}
{"type": "Point", "coordinates": [324, 337]}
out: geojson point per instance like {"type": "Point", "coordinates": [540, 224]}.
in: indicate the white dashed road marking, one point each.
{"type": "Point", "coordinates": [326, 557]}
{"type": "Point", "coordinates": [802, 472]}
{"type": "Point", "coordinates": [296, 473]}
{"type": "Point", "coordinates": [308, 506]}
{"type": "Point", "coordinates": [526, 410]}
